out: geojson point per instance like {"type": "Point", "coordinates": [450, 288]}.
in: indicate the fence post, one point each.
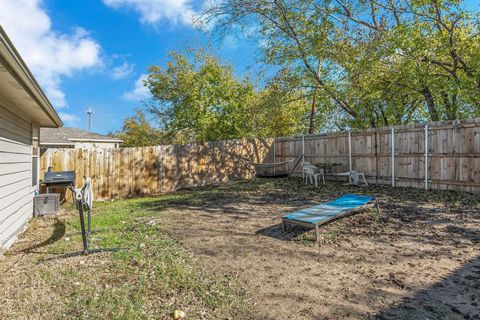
{"type": "Point", "coordinates": [274, 153]}
{"type": "Point", "coordinates": [393, 157]}
{"type": "Point", "coordinates": [350, 149]}
{"type": "Point", "coordinates": [303, 155]}
{"type": "Point", "coordinates": [426, 157]}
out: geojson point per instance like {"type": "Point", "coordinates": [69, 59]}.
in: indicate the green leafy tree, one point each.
{"type": "Point", "coordinates": [138, 132]}
{"type": "Point", "coordinates": [202, 100]}
{"type": "Point", "coordinates": [376, 62]}
{"type": "Point", "coordinates": [276, 111]}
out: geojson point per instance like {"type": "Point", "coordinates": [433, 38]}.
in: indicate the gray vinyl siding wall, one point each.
{"type": "Point", "coordinates": [16, 191]}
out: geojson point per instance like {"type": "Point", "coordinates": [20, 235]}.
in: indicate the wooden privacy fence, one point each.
{"type": "Point", "coordinates": [126, 172]}
{"type": "Point", "coordinates": [440, 155]}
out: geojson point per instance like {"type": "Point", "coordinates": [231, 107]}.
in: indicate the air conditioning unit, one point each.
{"type": "Point", "coordinates": [46, 204]}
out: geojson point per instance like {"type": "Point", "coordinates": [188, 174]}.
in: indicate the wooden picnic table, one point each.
{"type": "Point", "coordinates": [327, 166]}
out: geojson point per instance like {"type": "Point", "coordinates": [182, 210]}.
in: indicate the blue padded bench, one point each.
{"type": "Point", "coordinates": [321, 214]}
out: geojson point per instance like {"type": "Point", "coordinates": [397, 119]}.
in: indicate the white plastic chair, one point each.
{"type": "Point", "coordinates": [354, 177]}
{"type": "Point", "coordinates": [305, 163]}
{"type": "Point", "coordinates": [313, 174]}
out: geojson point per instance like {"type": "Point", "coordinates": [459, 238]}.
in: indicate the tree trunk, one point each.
{"type": "Point", "coordinates": [313, 111]}
{"type": "Point", "coordinates": [432, 110]}
{"type": "Point", "coordinates": [450, 105]}
{"type": "Point", "coordinates": [313, 116]}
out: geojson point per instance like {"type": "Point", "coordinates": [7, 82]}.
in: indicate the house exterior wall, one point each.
{"type": "Point", "coordinates": [16, 174]}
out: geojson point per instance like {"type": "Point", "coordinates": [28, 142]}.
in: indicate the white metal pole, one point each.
{"type": "Point", "coordinates": [303, 155]}
{"type": "Point", "coordinates": [426, 157]}
{"type": "Point", "coordinates": [393, 157]}
{"type": "Point", "coordinates": [90, 115]}
{"type": "Point", "coordinates": [274, 151]}
{"type": "Point", "coordinates": [350, 149]}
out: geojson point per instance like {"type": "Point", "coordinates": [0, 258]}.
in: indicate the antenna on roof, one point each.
{"type": "Point", "coordinates": [90, 118]}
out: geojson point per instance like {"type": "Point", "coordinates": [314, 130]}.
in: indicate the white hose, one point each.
{"type": "Point", "coordinates": [88, 194]}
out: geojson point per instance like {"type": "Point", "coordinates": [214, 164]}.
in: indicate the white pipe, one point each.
{"type": "Point", "coordinates": [303, 155]}
{"type": "Point", "coordinates": [393, 157]}
{"type": "Point", "coordinates": [274, 151]}
{"type": "Point", "coordinates": [426, 157]}
{"type": "Point", "coordinates": [350, 149]}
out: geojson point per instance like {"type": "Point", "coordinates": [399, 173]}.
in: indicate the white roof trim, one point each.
{"type": "Point", "coordinates": [96, 140]}
{"type": "Point", "coordinates": [56, 144]}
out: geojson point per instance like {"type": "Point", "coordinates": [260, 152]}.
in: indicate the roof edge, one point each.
{"type": "Point", "coordinates": [56, 144]}
{"type": "Point", "coordinates": [95, 140]}
{"type": "Point", "coordinates": [22, 72]}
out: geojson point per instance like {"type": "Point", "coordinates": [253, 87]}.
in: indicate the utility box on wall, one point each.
{"type": "Point", "coordinates": [46, 204]}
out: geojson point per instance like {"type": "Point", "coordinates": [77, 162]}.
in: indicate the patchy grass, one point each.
{"type": "Point", "coordinates": [149, 280]}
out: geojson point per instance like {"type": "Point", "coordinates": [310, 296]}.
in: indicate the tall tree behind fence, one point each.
{"type": "Point", "coordinates": [397, 156]}
{"type": "Point", "coordinates": [126, 172]}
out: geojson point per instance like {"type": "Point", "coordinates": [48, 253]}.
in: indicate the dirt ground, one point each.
{"type": "Point", "coordinates": [418, 259]}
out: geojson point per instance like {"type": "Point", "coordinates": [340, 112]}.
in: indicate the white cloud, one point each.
{"type": "Point", "coordinates": [49, 54]}
{"type": "Point", "coordinates": [122, 71]}
{"type": "Point", "coordinates": [70, 120]}
{"type": "Point", "coordinates": [140, 92]}
{"type": "Point", "coordinates": [154, 11]}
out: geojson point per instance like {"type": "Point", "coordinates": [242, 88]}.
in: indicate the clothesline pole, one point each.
{"type": "Point", "coordinates": [393, 157]}
{"type": "Point", "coordinates": [350, 149]}
{"type": "Point", "coordinates": [274, 153]}
{"type": "Point", "coordinates": [426, 156]}
{"type": "Point", "coordinates": [303, 155]}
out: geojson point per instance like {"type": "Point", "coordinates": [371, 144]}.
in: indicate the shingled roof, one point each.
{"type": "Point", "coordinates": [66, 135]}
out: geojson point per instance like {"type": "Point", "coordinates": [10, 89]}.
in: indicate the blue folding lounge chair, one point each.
{"type": "Point", "coordinates": [316, 216]}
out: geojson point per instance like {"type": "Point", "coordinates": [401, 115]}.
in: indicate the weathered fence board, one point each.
{"type": "Point", "coordinates": [127, 172]}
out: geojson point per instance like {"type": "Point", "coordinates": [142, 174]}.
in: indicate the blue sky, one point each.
{"type": "Point", "coordinates": [92, 53]}
{"type": "Point", "coordinates": [102, 48]}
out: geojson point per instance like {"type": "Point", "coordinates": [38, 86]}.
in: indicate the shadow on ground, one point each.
{"type": "Point", "coordinates": [59, 230]}
{"type": "Point", "coordinates": [442, 300]}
